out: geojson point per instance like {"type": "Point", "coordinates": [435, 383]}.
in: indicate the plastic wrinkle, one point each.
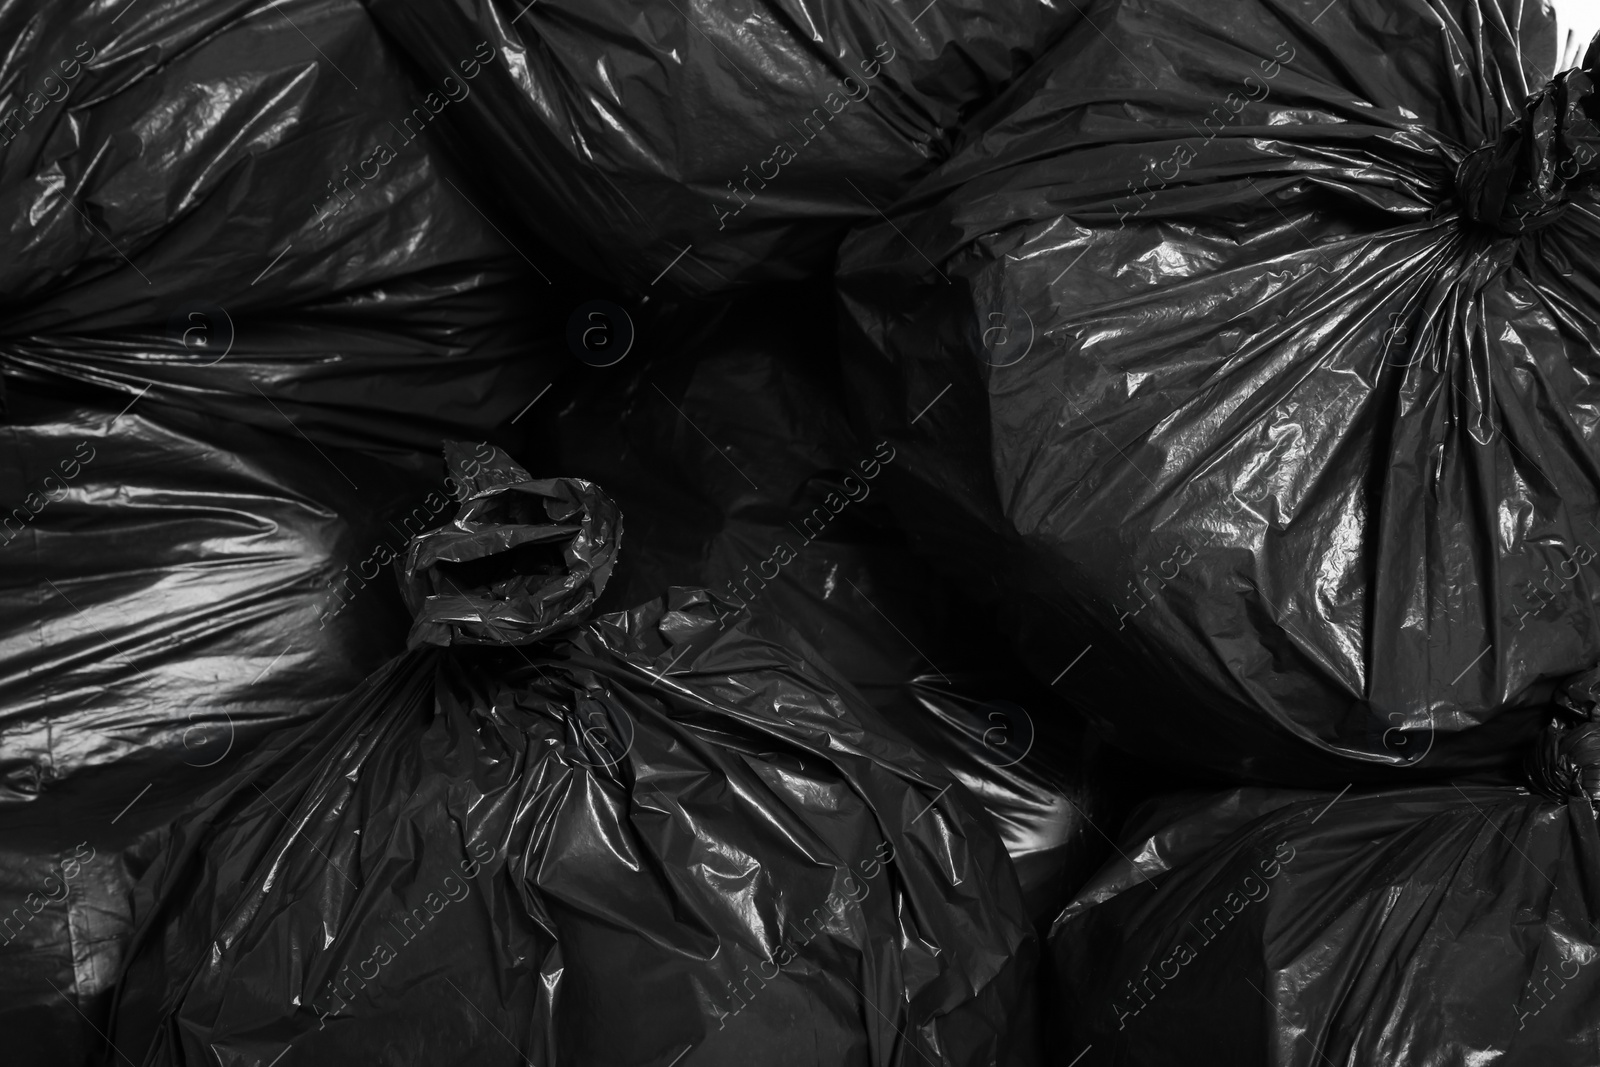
{"type": "Point", "coordinates": [599, 894]}
{"type": "Point", "coordinates": [631, 135]}
{"type": "Point", "coordinates": [1302, 446]}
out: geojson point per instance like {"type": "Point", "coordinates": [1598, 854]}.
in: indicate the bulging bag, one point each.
{"type": "Point", "coordinates": [1261, 376]}
{"type": "Point", "coordinates": [169, 596]}
{"type": "Point", "coordinates": [1407, 927]}
{"type": "Point", "coordinates": [656, 834]}
{"type": "Point", "coordinates": [694, 149]}
{"type": "Point", "coordinates": [210, 201]}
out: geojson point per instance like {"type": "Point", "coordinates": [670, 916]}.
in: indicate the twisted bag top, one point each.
{"type": "Point", "coordinates": [524, 559]}
{"type": "Point", "coordinates": [1521, 180]}
{"type": "Point", "coordinates": [1566, 760]}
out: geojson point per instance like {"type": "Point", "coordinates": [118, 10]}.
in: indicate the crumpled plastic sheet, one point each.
{"type": "Point", "coordinates": [1193, 346]}
{"type": "Point", "coordinates": [1411, 927]}
{"type": "Point", "coordinates": [668, 833]}
{"type": "Point", "coordinates": [698, 148]}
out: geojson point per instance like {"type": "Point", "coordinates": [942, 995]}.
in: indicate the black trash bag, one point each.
{"type": "Point", "coordinates": [390, 370]}
{"type": "Point", "coordinates": [157, 565]}
{"type": "Point", "coordinates": [63, 919]}
{"type": "Point", "coordinates": [703, 148]}
{"type": "Point", "coordinates": [174, 588]}
{"type": "Point", "coordinates": [1253, 410]}
{"type": "Point", "coordinates": [648, 838]}
{"type": "Point", "coordinates": [1408, 927]}
{"type": "Point", "coordinates": [733, 458]}
{"type": "Point", "coordinates": [217, 152]}
{"type": "Point", "coordinates": [199, 169]}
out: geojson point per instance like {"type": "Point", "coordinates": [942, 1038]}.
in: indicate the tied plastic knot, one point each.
{"type": "Point", "coordinates": [1566, 761]}
{"type": "Point", "coordinates": [1520, 181]}
{"type": "Point", "coordinates": [523, 560]}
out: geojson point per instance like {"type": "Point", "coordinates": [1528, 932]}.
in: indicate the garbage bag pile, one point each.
{"type": "Point", "coordinates": [984, 532]}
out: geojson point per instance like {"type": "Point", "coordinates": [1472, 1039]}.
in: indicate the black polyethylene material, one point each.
{"type": "Point", "coordinates": [238, 315]}
{"type": "Point", "coordinates": [173, 588]}
{"type": "Point", "coordinates": [573, 530]}
{"type": "Point", "coordinates": [1205, 376]}
{"type": "Point", "coordinates": [698, 148]}
{"type": "Point", "coordinates": [1418, 927]}
{"type": "Point", "coordinates": [660, 832]}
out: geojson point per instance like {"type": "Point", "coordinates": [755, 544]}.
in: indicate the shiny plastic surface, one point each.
{"type": "Point", "coordinates": [223, 152]}
{"type": "Point", "coordinates": [209, 166]}
{"type": "Point", "coordinates": [552, 544]}
{"type": "Point", "coordinates": [1417, 927]}
{"type": "Point", "coordinates": [698, 147]}
{"type": "Point", "coordinates": [169, 590]}
{"type": "Point", "coordinates": [225, 387]}
{"type": "Point", "coordinates": [666, 835]}
{"type": "Point", "coordinates": [1193, 348]}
